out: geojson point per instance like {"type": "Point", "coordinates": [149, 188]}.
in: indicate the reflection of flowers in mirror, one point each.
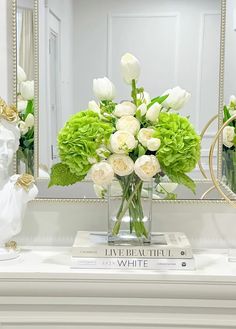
{"type": "Point", "coordinates": [229, 132]}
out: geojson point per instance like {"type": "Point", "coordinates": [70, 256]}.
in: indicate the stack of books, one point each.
{"type": "Point", "coordinates": [168, 251]}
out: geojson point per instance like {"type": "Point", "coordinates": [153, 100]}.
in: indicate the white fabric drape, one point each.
{"type": "Point", "coordinates": [26, 52]}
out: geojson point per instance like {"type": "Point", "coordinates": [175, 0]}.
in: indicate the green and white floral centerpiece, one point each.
{"type": "Point", "coordinates": [133, 143]}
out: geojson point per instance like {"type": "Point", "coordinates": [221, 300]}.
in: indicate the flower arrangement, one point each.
{"type": "Point", "coordinates": [229, 145]}
{"type": "Point", "coordinates": [25, 106]}
{"type": "Point", "coordinates": [134, 141]}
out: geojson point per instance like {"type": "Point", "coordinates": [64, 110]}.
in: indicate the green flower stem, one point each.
{"type": "Point", "coordinates": [134, 92]}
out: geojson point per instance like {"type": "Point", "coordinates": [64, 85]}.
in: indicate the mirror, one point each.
{"type": "Point", "coordinates": [176, 41]}
{"type": "Point", "coordinates": [228, 174]}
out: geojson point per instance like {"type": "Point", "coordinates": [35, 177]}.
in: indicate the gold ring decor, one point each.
{"type": "Point", "coordinates": [202, 135]}
{"type": "Point", "coordinates": [215, 181]}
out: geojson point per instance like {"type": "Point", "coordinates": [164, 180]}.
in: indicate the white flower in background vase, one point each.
{"type": "Point", "coordinates": [104, 89]}
{"type": "Point", "coordinates": [21, 105]}
{"type": "Point", "coordinates": [26, 125]}
{"type": "Point", "coordinates": [232, 101]}
{"type": "Point", "coordinates": [144, 135]}
{"type": "Point", "coordinates": [177, 98]}
{"type": "Point", "coordinates": [153, 144]}
{"type": "Point", "coordinates": [228, 136]}
{"type": "Point", "coordinates": [153, 112]}
{"type": "Point", "coordinates": [144, 97]}
{"type": "Point", "coordinates": [146, 167]}
{"type": "Point", "coordinates": [27, 90]}
{"type": "Point", "coordinates": [122, 142]}
{"type": "Point", "coordinates": [130, 68]}
{"type": "Point", "coordinates": [21, 75]}
{"type": "Point", "coordinates": [102, 173]}
{"type": "Point", "coordinates": [122, 164]}
{"type": "Point", "coordinates": [93, 106]}
{"type": "Point", "coordinates": [142, 109]}
{"type": "Point", "coordinates": [166, 187]}
{"type": "Point", "coordinates": [124, 108]}
{"type": "Point", "coordinates": [128, 123]}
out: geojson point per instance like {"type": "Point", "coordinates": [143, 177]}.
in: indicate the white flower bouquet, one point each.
{"type": "Point", "coordinates": [136, 141]}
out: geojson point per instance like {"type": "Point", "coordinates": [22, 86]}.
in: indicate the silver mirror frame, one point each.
{"type": "Point", "coordinates": [36, 100]}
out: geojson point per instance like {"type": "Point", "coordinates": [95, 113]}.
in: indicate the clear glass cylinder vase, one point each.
{"type": "Point", "coordinates": [129, 211]}
{"type": "Point", "coordinates": [229, 168]}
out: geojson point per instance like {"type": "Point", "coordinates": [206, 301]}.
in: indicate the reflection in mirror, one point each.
{"type": "Point", "coordinates": [25, 84]}
{"type": "Point", "coordinates": [177, 42]}
{"type": "Point", "coordinates": [229, 132]}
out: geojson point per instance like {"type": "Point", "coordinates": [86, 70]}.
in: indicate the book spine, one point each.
{"type": "Point", "coordinates": [131, 264]}
{"type": "Point", "coordinates": [134, 252]}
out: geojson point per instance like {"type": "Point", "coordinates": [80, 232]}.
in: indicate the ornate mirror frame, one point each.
{"type": "Point", "coordinates": [36, 100]}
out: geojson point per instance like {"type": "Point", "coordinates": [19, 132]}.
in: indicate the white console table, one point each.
{"type": "Point", "coordinates": [39, 290]}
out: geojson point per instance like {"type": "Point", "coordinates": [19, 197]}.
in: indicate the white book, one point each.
{"type": "Point", "coordinates": [163, 245]}
{"type": "Point", "coordinates": [133, 264]}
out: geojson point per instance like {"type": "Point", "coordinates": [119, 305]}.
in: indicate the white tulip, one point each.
{"type": "Point", "coordinates": [93, 106]}
{"type": "Point", "coordinates": [166, 187]}
{"type": "Point", "coordinates": [146, 167]}
{"type": "Point", "coordinates": [102, 173]}
{"type": "Point", "coordinates": [122, 164]}
{"type": "Point", "coordinates": [128, 123]}
{"type": "Point", "coordinates": [122, 142]}
{"type": "Point", "coordinates": [23, 128]}
{"type": "Point", "coordinates": [232, 101]}
{"type": "Point", "coordinates": [228, 136]}
{"type": "Point", "coordinates": [104, 89]}
{"type": "Point", "coordinates": [21, 76]}
{"type": "Point", "coordinates": [27, 90]}
{"type": "Point", "coordinates": [153, 144]}
{"type": "Point", "coordinates": [130, 68]}
{"type": "Point", "coordinates": [177, 98]}
{"type": "Point", "coordinates": [153, 112]}
{"type": "Point", "coordinates": [29, 121]}
{"type": "Point", "coordinates": [144, 135]}
{"type": "Point", "coordinates": [124, 108]}
{"type": "Point", "coordinates": [144, 97]}
{"type": "Point", "coordinates": [142, 109]}
{"type": "Point", "coordinates": [21, 105]}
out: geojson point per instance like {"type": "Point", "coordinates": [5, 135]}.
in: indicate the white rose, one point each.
{"type": "Point", "coordinates": [130, 68]}
{"type": "Point", "coordinates": [228, 136]}
{"type": "Point", "coordinates": [124, 108]}
{"type": "Point", "coordinates": [128, 123]}
{"type": "Point", "coordinates": [144, 135]}
{"type": "Point", "coordinates": [122, 164]}
{"type": "Point", "coordinates": [153, 144]}
{"type": "Point", "coordinates": [144, 97]}
{"type": "Point", "coordinates": [142, 109]}
{"type": "Point", "coordinates": [27, 89]}
{"type": "Point", "coordinates": [102, 173]}
{"type": "Point", "coordinates": [122, 142]}
{"type": "Point", "coordinates": [21, 105]}
{"type": "Point", "coordinates": [146, 167]}
{"type": "Point", "coordinates": [104, 89]}
{"type": "Point", "coordinates": [93, 106]}
{"type": "Point", "coordinates": [177, 98]}
{"type": "Point", "coordinates": [232, 101]}
{"type": "Point", "coordinates": [153, 112]}
{"type": "Point", "coordinates": [21, 76]}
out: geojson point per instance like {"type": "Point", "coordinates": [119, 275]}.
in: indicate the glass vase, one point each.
{"type": "Point", "coordinates": [229, 168]}
{"type": "Point", "coordinates": [129, 211]}
{"type": "Point", "coordinates": [25, 161]}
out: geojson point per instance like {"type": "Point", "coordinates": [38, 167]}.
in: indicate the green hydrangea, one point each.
{"type": "Point", "coordinates": [80, 138]}
{"type": "Point", "coordinates": [180, 145]}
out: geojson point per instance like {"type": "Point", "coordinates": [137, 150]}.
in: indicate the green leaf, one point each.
{"type": "Point", "coordinates": [62, 176]}
{"type": "Point", "coordinates": [159, 99]}
{"type": "Point", "coordinates": [183, 179]}
{"type": "Point", "coordinates": [29, 109]}
{"type": "Point", "coordinates": [141, 150]}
